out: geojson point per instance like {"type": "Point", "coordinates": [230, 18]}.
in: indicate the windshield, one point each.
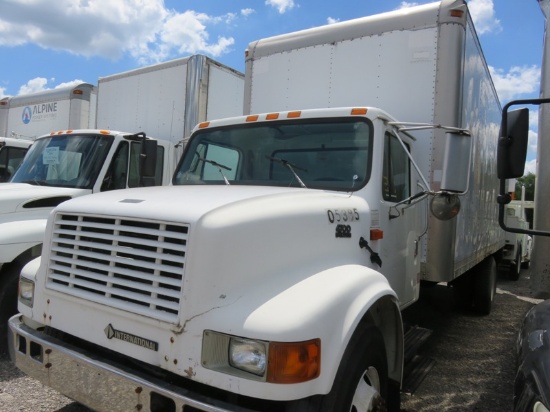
{"type": "Point", "coordinates": [65, 161]}
{"type": "Point", "coordinates": [333, 154]}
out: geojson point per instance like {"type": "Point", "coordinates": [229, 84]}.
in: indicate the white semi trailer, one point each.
{"type": "Point", "coordinates": [164, 100]}
{"type": "Point", "coordinates": [276, 266]}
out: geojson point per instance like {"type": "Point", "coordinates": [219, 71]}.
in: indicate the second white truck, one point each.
{"type": "Point", "coordinates": [271, 275]}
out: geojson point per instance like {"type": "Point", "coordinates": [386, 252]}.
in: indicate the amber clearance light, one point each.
{"type": "Point", "coordinates": [294, 362]}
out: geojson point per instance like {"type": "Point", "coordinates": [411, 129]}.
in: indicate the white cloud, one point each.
{"type": "Point", "coordinates": [332, 20]}
{"type": "Point", "coordinates": [518, 81]}
{"type": "Point", "coordinates": [39, 84]}
{"type": "Point", "coordinates": [145, 29]}
{"type": "Point", "coordinates": [483, 15]}
{"type": "Point", "coordinates": [247, 12]}
{"type": "Point", "coordinates": [3, 92]}
{"type": "Point", "coordinates": [407, 4]}
{"type": "Point", "coordinates": [282, 6]}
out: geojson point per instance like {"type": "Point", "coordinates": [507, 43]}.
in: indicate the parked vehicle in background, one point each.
{"type": "Point", "coordinates": [277, 264]}
{"type": "Point", "coordinates": [35, 114]}
{"type": "Point", "coordinates": [168, 99]}
{"type": "Point", "coordinates": [25, 117]}
{"type": "Point", "coordinates": [517, 251]}
{"type": "Point", "coordinates": [12, 152]}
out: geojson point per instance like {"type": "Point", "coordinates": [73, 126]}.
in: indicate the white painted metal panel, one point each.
{"type": "Point", "coordinates": [150, 100]}
{"type": "Point", "coordinates": [225, 93]}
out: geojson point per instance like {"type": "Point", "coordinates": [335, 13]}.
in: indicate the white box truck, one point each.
{"type": "Point", "coordinates": [185, 92]}
{"type": "Point", "coordinates": [277, 264]}
{"type": "Point", "coordinates": [167, 99]}
{"type": "Point", "coordinates": [35, 114]}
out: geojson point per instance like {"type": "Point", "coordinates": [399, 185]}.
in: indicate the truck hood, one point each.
{"type": "Point", "coordinates": [181, 204]}
{"type": "Point", "coordinates": [22, 197]}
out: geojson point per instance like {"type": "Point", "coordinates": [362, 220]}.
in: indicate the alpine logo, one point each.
{"type": "Point", "coordinates": [111, 333]}
{"type": "Point", "coordinates": [27, 115]}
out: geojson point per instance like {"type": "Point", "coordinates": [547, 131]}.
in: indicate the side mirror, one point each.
{"type": "Point", "coordinates": [512, 144]}
{"type": "Point", "coordinates": [456, 163]}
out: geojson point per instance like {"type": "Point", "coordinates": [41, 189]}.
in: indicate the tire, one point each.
{"type": "Point", "coordinates": [515, 266]}
{"type": "Point", "coordinates": [361, 383]}
{"type": "Point", "coordinates": [485, 285]}
{"type": "Point", "coordinates": [9, 279]}
{"type": "Point", "coordinates": [463, 287]}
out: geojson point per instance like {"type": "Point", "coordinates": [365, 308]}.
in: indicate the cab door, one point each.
{"type": "Point", "coordinates": [402, 223]}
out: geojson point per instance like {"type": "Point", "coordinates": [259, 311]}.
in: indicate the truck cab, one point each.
{"type": "Point", "coordinates": [287, 243]}
{"type": "Point", "coordinates": [61, 166]}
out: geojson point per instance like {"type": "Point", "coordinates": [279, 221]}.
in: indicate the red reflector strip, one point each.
{"type": "Point", "coordinates": [456, 13]}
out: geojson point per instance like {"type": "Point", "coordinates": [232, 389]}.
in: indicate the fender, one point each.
{"type": "Point", "coordinates": [20, 236]}
{"type": "Point", "coordinates": [328, 305]}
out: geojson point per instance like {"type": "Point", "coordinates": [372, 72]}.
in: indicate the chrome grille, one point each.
{"type": "Point", "coordinates": [128, 264]}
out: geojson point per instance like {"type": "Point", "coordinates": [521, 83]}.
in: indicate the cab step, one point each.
{"type": "Point", "coordinates": [416, 366]}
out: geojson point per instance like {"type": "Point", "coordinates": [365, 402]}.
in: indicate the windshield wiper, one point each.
{"type": "Point", "coordinates": [219, 166]}
{"type": "Point", "coordinates": [290, 167]}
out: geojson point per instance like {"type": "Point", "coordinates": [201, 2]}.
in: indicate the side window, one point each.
{"type": "Point", "coordinates": [15, 157]}
{"type": "Point", "coordinates": [4, 173]}
{"type": "Point", "coordinates": [134, 180]}
{"type": "Point", "coordinates": [118, 170]}
{"type": "Point", "coordinates": [396, 172]}
{"type": "Point", "coordinates": [219, 157]}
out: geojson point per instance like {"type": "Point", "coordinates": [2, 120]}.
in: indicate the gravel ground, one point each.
{"type": "Point", "coordinates": [474, 358]}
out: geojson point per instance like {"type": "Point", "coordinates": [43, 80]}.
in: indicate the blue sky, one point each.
{"type": "Point", "coordinates": [45, 44]}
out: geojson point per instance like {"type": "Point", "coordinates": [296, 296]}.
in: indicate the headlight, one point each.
{"type": "Point", "coordinates": [248, 355]}
{"type": "Point", "coordinates": [262, 361]}
{"type": "Point", "coordinates": [26, 291]}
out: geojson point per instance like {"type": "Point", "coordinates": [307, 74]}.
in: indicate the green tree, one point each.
{"type": "Point", "coordinates": [529, 182]}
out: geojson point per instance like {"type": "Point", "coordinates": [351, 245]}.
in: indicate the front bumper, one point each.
{"type": "Point", "coordinates": [97, 383]}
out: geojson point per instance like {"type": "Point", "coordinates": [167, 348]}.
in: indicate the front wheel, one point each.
{"type": "Point", "coordinates": [515, 266]}
{"type": "Point", "coordinates": [361, 383]}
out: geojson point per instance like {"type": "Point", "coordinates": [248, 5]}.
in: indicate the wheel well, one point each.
{"type": "Point", "coordinates": [24, 257]}
{"type": "Point", "coordinates": [386, 316]}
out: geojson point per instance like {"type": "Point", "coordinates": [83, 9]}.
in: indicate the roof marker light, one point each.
{"type": "Point", "coordinates": [272, 116]}
{"type": "Point", "coordinates": [359, 111]}
{"type": "Point", "coordinates": [204, 125]}
{"type": "Point", "coordinates": [456, 13]}
{"type": "Point", "coordinates": [252, 118]}
{"type": "Point", "coordinates": [293, 115]}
